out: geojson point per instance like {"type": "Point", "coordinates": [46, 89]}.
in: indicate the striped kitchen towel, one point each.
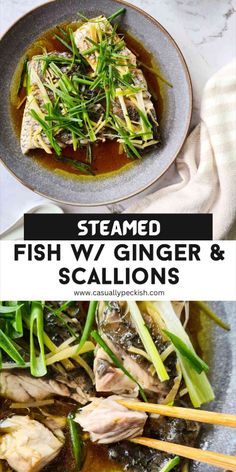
{"type": "Point", "coordinates": [207, 162]}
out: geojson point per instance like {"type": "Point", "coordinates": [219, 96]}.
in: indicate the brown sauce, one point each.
{"type": "Point", "coordinates": [107, 157]}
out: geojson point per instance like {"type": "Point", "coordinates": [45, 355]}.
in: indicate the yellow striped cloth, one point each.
{"type": "Point", "coordinates": [207, 162]}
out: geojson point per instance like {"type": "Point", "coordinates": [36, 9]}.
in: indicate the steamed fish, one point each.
{"type": "Point", "coordinates": [116, 327]}
{"type": "Point", "coordinates": [23, 388]}
{"type": "Point", "coordinates": [107, 421]}
{"type": "Point", "coordinates": [26, 444]}
{"type": "Point", "coordinates": [93, 92]}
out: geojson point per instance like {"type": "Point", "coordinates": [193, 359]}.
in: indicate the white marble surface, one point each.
{"type": "Point", "coordinates": [204, 30]}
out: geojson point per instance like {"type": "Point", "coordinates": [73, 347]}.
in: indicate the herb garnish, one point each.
{"type": "Point", "coordinates": [93, 91]}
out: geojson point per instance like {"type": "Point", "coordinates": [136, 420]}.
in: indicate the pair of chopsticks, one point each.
{"type": "Point", "coordinates": [214, 458]}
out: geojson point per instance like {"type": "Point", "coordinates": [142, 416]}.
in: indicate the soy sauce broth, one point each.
{"type": "Point", "coordinates": [108, 157]}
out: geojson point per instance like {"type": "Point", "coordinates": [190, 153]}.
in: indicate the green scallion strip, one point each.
{"type": "Point", "coordinates": [171, 464]}
{"type": "Point", "coordinates": [133, 152]}
{"type": "Point", "coordinates": [82, 16]}
{"type": "Point", "coordinates": [96, 336]}
{"type": "Point", "coordinates": [48, 131]}
{"type": "Point", "coordinates": [89, 154]}
{"type": "Point", "coordinates": [10, 309]}
{"type": "Point", "coordinates": [89, 51]}
{"type": "Point", "coordinates": [206, 310]}
{"type": "Point", "coordinates": [108, 102]}
{"type": "Point", "coordinates": [79, 165]}
{"type": "Point", "coordinates": [196, 362]}
{"type": "Point", "coordinates": [199, 388]}
{"type": "Point", "coordinates": [62, 41]}
{"type": "Point", "coordinates": [88, 324]}
{"type": "Point", "coordinates": [62, 31]}
{"type": "Point", "coordinates": [37, 363]}
{"type": "Point", "coordinates": [76, 440]}
{"type": "Point", "coordinates": [117, 13]}
{"type": "Point", "coordinates": [155, 72]}
{"type": "Point", "coordinates": [147, 341]}
{"type": "Point", "coordinates": [83, 81]}
{"type": "Point", "coordinates": [7, 345]}
{"type": "Point", "coordinates": [17, 323]}
{"type": "Point", "coordinates": [7, 316]}
{"type": "Point", "coordinates": [23, 74]}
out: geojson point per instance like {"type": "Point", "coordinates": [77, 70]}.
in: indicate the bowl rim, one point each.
{"type": "Point", "coordinates": [190, 97]}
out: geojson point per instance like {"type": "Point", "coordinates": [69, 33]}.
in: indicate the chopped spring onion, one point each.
{"type": "Point", "coordinates": [10, 308]}
{"type": "Point", "coordinates": [117, 13]}
{"type": "Point", "coordinates": [199, 388]}
{"type": "Point", "coordinates": [147, 341]}
{"type": "Point", "coordinates": [76, 440]}
{"type": "Point", "coordinates": [86, 168]}
{"type": "Point", "coordinates": [197, 363]}
{"type": "Point", "coordinates": [206, 310]}
{"type": "Point", "coordinates": [88, 324]}
{"type": "Point", "coordinates": [16, 329]}
{"type": "Point", "coordinates": [171, 464]}
{"type": "Point", "coordinates": [37, 363]}
{"type": "Point", "coordinates": [47, 130]}
{"type": "Point", "coordinates": [154, 71]}
{"type": "Point", "coordinates": [23, 75]}
{"type": "Point", "coordinates": [62, 41]}
{"type": "Point", "coordinates": [8, 346]}
{"type": "Point", "coordinates": [99, 340]}
{"type": "Point", "coordinates": [16, 317]}
{"type": "Point", "coordinates": [72, 88]}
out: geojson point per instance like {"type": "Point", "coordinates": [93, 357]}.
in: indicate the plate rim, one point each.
{"type": "Point", "coordinates": [190, 97]}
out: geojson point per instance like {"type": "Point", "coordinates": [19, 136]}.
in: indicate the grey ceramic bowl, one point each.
{"type": "Point", "coordinates": [221, 356]}
{"type": "Point", "coordinates": [174, 125]}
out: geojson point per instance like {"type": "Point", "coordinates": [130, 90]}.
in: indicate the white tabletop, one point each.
{"type": "Point", "coordinates": [205, 32]}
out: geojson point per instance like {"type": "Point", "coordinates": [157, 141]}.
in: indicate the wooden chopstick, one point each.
{"type": "Point", "coordinates": [214, 458]}
{"type": "Point", "coordinates": [202, 416]}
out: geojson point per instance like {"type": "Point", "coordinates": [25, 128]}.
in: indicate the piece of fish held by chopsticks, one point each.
{"type": "Point", "coordinates": [107, 421]}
